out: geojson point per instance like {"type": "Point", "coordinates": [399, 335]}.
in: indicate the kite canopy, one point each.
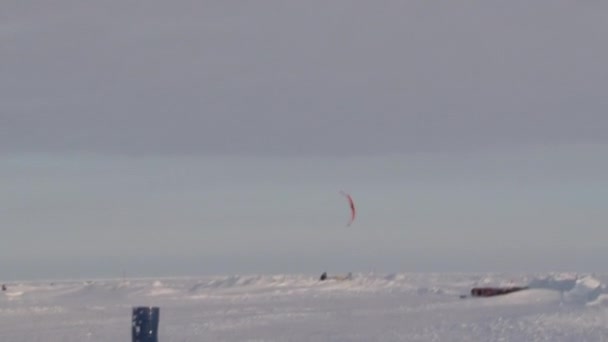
{"type": "Point", "coordinates": [351, 203]}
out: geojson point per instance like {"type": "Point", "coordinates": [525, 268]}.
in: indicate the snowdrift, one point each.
{"type": "Point", "coordinates": [369, 306]}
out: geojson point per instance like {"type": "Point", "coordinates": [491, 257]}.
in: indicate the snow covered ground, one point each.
{"type": "Point", "coordinates": [369, 307]}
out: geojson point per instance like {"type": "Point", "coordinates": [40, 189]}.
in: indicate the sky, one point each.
{"type": "Point", "coordinates": [213, 137]}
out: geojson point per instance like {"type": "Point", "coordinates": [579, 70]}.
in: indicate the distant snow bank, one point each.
{"type": "Point", "coordinates": [569, 288]}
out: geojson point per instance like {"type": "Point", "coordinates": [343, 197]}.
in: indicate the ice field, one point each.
{"type": "Point", "coordinates": [299, 307]}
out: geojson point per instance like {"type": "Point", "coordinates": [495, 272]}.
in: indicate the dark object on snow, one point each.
{"type": "Point", "coordinates": [3, 287]}
{"type": "Point", "coordinates": [494, 291]}
{"type": "Point", "coordinates": [347, 276]}
{"type": "Point", "coordinates": [145, 324]}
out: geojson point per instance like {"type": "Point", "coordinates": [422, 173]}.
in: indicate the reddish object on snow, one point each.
{"type": "Point", "coordinates": [495, 291]}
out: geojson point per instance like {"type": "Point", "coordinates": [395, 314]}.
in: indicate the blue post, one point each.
{"type": "Point", "coordinates": [145, 324]}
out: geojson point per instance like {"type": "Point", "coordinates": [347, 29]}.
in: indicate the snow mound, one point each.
{"type": "Point", "coordinates": [234, 282]}
{"type": "Point", "coordinates": [586, 289]}
{"type": "Point", "coordinates": [92, 289]}
{"type": "Point", "coordinates": [13, 294]}
{"type": "Point", "coordinates": [601, 300]}
{"type": "Point", "coordinates": [560, 282]}
{"type": "Point", "coordinates": [159, 289]}
{"type": "Point", "coordinates": [575, 289]}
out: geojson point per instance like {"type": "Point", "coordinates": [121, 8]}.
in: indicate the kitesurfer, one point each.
{"type": "Point", "coordinates": [323, 276]}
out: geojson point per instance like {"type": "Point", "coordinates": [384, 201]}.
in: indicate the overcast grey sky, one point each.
{"type": "Point", "coordinates": [222, 131]}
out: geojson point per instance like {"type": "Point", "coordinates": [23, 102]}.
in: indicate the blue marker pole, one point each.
{"type": "Point", "coordinates": [145, 324]}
